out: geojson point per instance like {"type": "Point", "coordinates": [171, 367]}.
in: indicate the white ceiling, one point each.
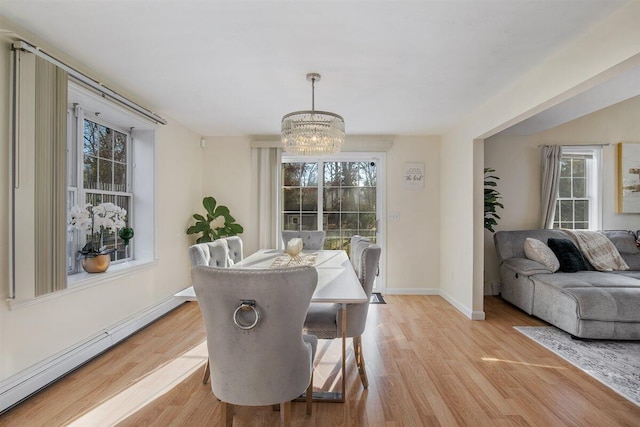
{"type": "Point", "coordinates": [236, 67]}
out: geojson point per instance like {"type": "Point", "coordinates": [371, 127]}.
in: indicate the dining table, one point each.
{"type": "Point", "coordinates": [337, 284]}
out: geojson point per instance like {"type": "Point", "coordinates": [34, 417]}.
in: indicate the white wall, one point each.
{"type": "Point", "coordinates": [517, 162]}
{"type": "Point", "coordinates": [32, 333]}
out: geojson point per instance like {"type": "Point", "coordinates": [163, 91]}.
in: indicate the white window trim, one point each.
{"type": "Point", "coordinates": [142, 169]}
{"type": "Point", "coordinates": [80, 114]}
{"type": "Point", "coordinates": [594, 181]}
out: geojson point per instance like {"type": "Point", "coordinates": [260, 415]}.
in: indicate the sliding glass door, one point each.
{"type": "Point", "coordinates": [341, 195]}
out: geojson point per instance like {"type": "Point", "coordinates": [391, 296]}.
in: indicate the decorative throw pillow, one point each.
{"type": "Point", "coordinates": [570, 257]}
{"type": "Point", "coordinates": [536, 250]}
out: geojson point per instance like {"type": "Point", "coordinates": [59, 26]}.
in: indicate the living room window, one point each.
{"type": "Point", "coordinates": [578, 204]}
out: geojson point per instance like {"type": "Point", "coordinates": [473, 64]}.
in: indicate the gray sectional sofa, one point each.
{"type": "Point", "coordinates": [586, 304]}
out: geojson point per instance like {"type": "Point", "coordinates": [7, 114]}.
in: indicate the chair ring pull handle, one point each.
{"type": "Point", "coordinates": [246, 305]}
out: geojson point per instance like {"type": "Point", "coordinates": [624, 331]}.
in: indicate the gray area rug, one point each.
{"type": "Point", "coordinates": [616, 364]}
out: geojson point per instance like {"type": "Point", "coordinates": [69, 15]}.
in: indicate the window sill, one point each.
{"type": "Point", "coordinates": [81, 281]}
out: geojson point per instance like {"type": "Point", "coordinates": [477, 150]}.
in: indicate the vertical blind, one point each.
{"type": "Point", "coordinates": [50, 177]}
{"type": "Point", "coordinates": [39, 177]}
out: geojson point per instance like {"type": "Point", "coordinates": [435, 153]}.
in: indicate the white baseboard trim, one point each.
{"type": "Point", "coordinates": [22, 385]}
{"type": "Point", "coordinates": [473, 315]}
{"type": "Point", "coordinates": [478, 315]}
{"type": "Point", "coordinates": [410, 291]}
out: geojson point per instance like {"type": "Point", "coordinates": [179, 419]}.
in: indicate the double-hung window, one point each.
{"type": "Point", "coordinates": [578, 205]}
{"type": "Point", "coordinates": [99, 174]}
{"type": "Point", "coordinates": [73, 144]}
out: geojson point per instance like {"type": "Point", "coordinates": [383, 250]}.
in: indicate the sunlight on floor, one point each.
{"type": "Point", "coordinates": [146, 390]}
{"type": "Point", "coordinates": [513, 362]}
{"type": "Point", "coordinates": [326, 375]}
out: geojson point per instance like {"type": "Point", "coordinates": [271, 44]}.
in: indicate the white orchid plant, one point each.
{"type": "Point", "coordinates": [94, 221]}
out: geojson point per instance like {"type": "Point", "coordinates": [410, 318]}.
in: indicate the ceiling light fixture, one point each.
{"type": "Point", "coordinates": [311, 132]}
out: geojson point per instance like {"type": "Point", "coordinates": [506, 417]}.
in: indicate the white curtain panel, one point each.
{"type": "Point", "coordinates": [267, 181]}
{"type": "Point", "coordinates": [551, 155]}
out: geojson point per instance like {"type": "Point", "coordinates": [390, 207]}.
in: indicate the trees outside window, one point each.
{"type": "Point", "coordinates": [338, 197]}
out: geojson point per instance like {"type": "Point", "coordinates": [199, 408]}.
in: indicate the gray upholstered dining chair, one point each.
{"type": "Point", "coordinates": [325, 320]}
{"type": "Point", "coordinates": [258, 354]}
{"type": "Point", "coordinates": [223, 252]}
{"type": "Point", "coordinates": [213, 254]}
{"type": "Point", "coordinates": [311, 240]}
{"type": "Point", "coordinates": [234, 244]}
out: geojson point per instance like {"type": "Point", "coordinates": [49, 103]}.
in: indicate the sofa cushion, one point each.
{"type": "Point", "coordinates": [571, 260]}
{"type": "Point", "coordinates": [536, 250]}
{"type": "Point", "coordinates": [525, 266]}
{"type": "Point", "coordinates": [625, 242]}
{"type": "Point", "coordinates": [510, 244]}
{"type": "Point", "coordinates": [598, 295]}
{"type": "Point", "coordinates": [587, 279]}
{"type": "Point", "coordinates": [607, 304]}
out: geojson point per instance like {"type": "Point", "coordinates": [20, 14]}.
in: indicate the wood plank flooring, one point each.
{"type": "Point", "coordinates": [428, 365]}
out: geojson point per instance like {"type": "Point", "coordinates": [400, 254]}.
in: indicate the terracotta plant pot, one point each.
{"type": "Point", "coordinates": [96, 264]}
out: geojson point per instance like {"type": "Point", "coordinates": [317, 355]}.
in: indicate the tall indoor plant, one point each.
{"type": "Point", "coordinates": [491, 197]}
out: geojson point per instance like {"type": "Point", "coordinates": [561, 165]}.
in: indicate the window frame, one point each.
{"type": "Point", "coordinates": [76, 176]}
{"type": "Point", "coordinates": [140, 178]}
{"type": "Point", "coordinates": [593, 185]}
{"type": "Point", "coordinates": [356, 156]}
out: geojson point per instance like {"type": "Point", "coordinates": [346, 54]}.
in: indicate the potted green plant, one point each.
{"type": "Point", "coordinates": [491, 197]}
{"type": "Point", "coordinates": [206, 224]}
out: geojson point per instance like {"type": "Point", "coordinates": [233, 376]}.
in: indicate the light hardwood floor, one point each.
{"type": "Point", "coordinates": [427, 365]}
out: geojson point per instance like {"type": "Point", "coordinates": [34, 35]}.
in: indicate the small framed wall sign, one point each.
{"type": "Point", "coordinates": [628, 177]}
{"type": "Point", "coordinates": [413, 176]}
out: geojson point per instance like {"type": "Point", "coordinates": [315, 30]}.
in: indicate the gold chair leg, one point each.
{"type": "Point", "coordinates": [226, 414]}
{"type": "Point", "coordinates": [310, 395]}
{"type": "Point", "coordinates": [285, 414]}
{"type": "Point", "coordinates": [357, 349]}
{"type": "Point", "coordinates": [207, 372]}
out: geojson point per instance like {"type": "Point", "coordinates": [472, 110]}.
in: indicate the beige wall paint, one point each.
{"type": "Point", "coordinates": [457, 220]}
{"type": "Point", "coordinates": [35, 332]}
{"type": "Point", "coordinates": [227, 177]}
{"type": "Point", "coordinates": [609, 48]}
{"type": "Point", "coordinates": [412, 240]}
{"type": "Point", "coordinates": [517, 161]}
{"type": "Point", "coordinates": [412, 244]}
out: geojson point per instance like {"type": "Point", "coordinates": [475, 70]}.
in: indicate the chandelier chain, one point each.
{"type": "Point", "coordinates": [313, 94]}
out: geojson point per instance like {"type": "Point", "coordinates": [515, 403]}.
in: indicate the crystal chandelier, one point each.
{"type": "Point", "coordinates": [312, 133]}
